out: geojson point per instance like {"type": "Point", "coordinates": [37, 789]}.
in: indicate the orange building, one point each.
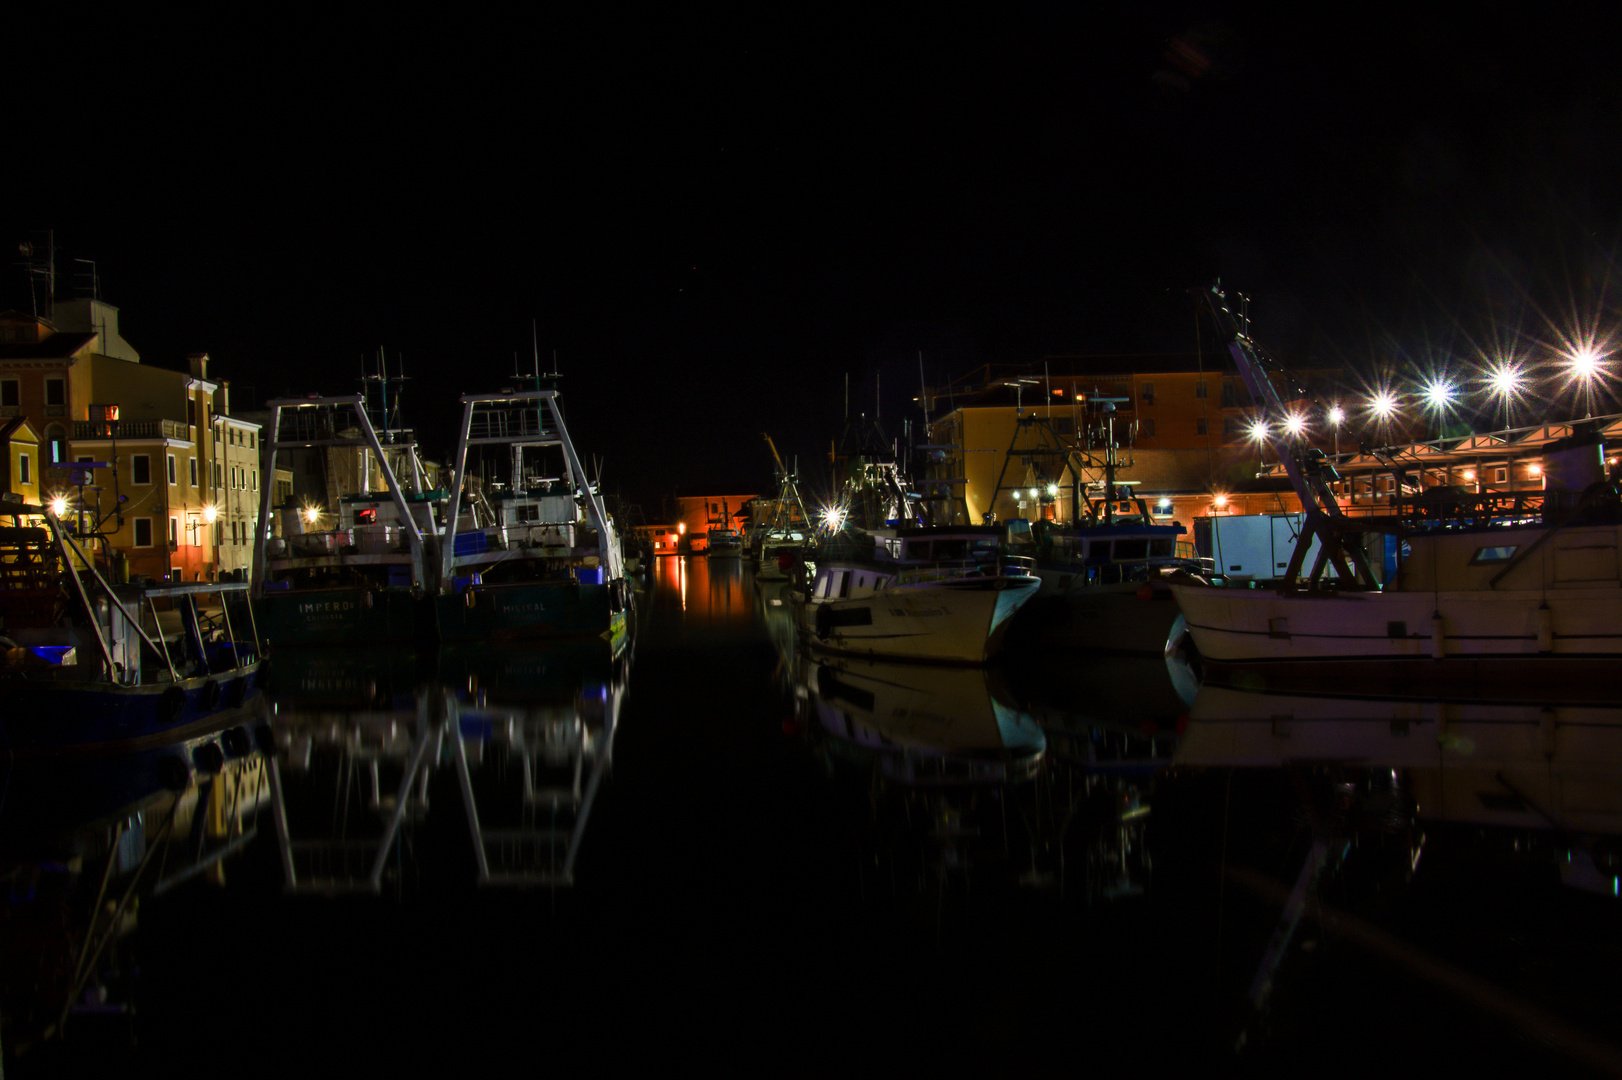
{"type": "Point", "coordinates": [697, 514]}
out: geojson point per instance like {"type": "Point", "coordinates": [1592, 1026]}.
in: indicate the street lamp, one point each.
{"type": "Point", "coordinates": [1584, 366]}
{"type": "Point", "coordinates": [1506, 381]}
{"type": "Point", "coordinates": [1337, 416]}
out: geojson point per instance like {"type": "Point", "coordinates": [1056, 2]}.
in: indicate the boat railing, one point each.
{"type": "Point", "coordinates": [959, 569]}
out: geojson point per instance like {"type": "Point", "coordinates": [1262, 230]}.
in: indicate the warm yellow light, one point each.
{"type": "Point", "coordinates": [310, 514]}
{"type": "Point", "coordinates": [1535, 470]}
{"type": "Point", "coordinates": [681, 527]}
{"type": "Point", "coordinates": [59, 506]}
{"type": "Point", "coordinates": [210, 513]}
{"type": "Point", "coordinates": [1219, 501]}
{"type": "Point", "coordinates": [1469, 474]}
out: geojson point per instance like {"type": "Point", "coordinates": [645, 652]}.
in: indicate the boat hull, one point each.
{"type": "Point", "coordinates": [960, 623]}
{"type": "Point", "coordinates": [1126, 617]}
{"type": "Point", "coordinates": [1466, 643]}
{"type": "Point", "coordinates": [346, 616]}
{"type": "Point", "coordinates": [64, 716]}
{"type": "Point", "coordinates": [531, 611]}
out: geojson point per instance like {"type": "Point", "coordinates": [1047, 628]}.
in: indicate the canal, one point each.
{"type": "Point", "coordinates": [717, 852]}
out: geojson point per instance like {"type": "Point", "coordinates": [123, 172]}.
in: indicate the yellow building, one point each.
{"type": "Point", "coordinates": [144, 433]}
{"type": "Point", "coordinates": [19, 461]}
{"type": "Point", "coordinates": [1030, 442]}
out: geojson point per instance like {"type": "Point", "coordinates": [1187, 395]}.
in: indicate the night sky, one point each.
{"type": "Point", "coordinates": [713, 218]}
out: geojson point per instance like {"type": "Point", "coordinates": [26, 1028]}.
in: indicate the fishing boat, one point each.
{"type": "Point", "coordinates": [721, 540]}
{"type": "Point", "coordinates": [1490, 589]}
{"type": "Point", "coordinates": [531, 551]}
{"type": "Point", "coordinates": [940, 593]}
{"type": "Point", "coordinates": [906, 589]}
{"type": "Point", "coordinates": [88, 665]}
{"type": "Point", "coordinates": [354, 568]}
{"type": "Point", "coordinates": [781, 529]}
{"type": "Point", "coordinates": [1104, 573]}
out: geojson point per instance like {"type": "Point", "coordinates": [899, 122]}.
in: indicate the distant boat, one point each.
{"type": "Point", "coordinates": [531, 552]}
{"type": "Point", "coordinates": [723, 543]}
{"type": "Point", "coordinates": [782, 531]}
{"type": "Point", "coordinates": [86, 664]}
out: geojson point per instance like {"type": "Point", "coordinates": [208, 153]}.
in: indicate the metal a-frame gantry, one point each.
{"type": "Point", "coordinates": [313, 422]}
{"type": "Point", "coordinates": [1307, 468]}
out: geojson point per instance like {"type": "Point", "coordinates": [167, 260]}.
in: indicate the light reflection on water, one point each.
{"type": "Point", "coordinates": [718, 800]}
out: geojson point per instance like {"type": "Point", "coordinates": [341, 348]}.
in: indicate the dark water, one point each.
{"type": "Point", "coordinates": [718, 853]}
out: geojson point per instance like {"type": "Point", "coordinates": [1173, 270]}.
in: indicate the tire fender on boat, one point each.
{"type": "Point", "coordinates": [208, 758]}
{"type": "Point", "coordinates": [174, 773]}
{"type": "Point", "coordinates": [209, 696]}
{"type": "Point", "coordinates": [171, 703]}
{"type": "Point", "coordinates": [471, 599]}
{"type": "Point", "coordinates": [235, 741]}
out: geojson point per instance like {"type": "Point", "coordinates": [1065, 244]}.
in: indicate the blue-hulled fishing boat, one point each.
{"type": "Point", "coordinates": [89, 665]}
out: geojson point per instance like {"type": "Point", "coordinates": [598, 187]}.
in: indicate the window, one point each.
{"type": "Point", "coordinates": [9, 396]}
{"type": "Point", "coordinates": [143, 532]}
{"type": "Point", "coordinates": [1148, 428]}
{"type": "Point", "coordinates": [1230, 393]}
{"type": "Point", "coordinates": [193, 463]}
{"type": "Point", "coordinates": [23, 471]}
{"type": "Point", "coordinates": [140, 469]}
{"type": "Point", "coordinates": [171, 468]}
{"type": "Point", "coordinates": [1500, 476]}
{"type": "Point", "coordinates": [234, 533]}
{"type": "Point", "coordinates": [174, 532]}
{"type": "Point", "coordinates": [250, 440]}
{"type": "Point", "coordinates": [191, 412]}
{"type": "Point", "coordinates": [1199, 389]}
{"type": "Point", "coordinates": [255, 485]}
{"type": "Point", "coordinates": [1200, 426]}
{"type": "Point", "coordinates": [56, 391]}
{"type": "Point", "coordinates": [1146, 391]}
{"type": "Point", "coordinates": [1493, 554]}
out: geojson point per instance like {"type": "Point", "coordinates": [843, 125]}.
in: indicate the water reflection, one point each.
{"type": "Point", "coordinates": [1508, 766]}
{"type": "Point", "coordinates": [969, 779]}
{"type": "Point", "coordinates": [1093, 834]}
{"type": "Point", "coordinates": [527, 732]}
{"type": "Point", "coordinates": [85, 840]}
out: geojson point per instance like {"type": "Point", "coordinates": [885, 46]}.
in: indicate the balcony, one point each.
{"type": "Point", "coordinates": [131, 429]}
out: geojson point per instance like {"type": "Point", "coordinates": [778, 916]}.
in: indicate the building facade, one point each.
{"type": "Point", "coordinates": [130, 448]}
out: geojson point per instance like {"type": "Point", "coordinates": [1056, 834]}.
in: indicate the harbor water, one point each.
{"type": "Point", "coordinates": [716, 851]}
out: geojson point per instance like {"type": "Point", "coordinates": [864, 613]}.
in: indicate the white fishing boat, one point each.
{"type": "Point", "coordinates": [1490, 589]}
{"type": "Point", "coordinates": [353, 568]}
{"type": "Point", "coordinates": [723, 543]}
{"type": "Point", "coordinates": [533, 552]}
{"type": "Point", "coordinates": [920, 592]}
{"type": "Point", "coordinates": [782, 531]}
